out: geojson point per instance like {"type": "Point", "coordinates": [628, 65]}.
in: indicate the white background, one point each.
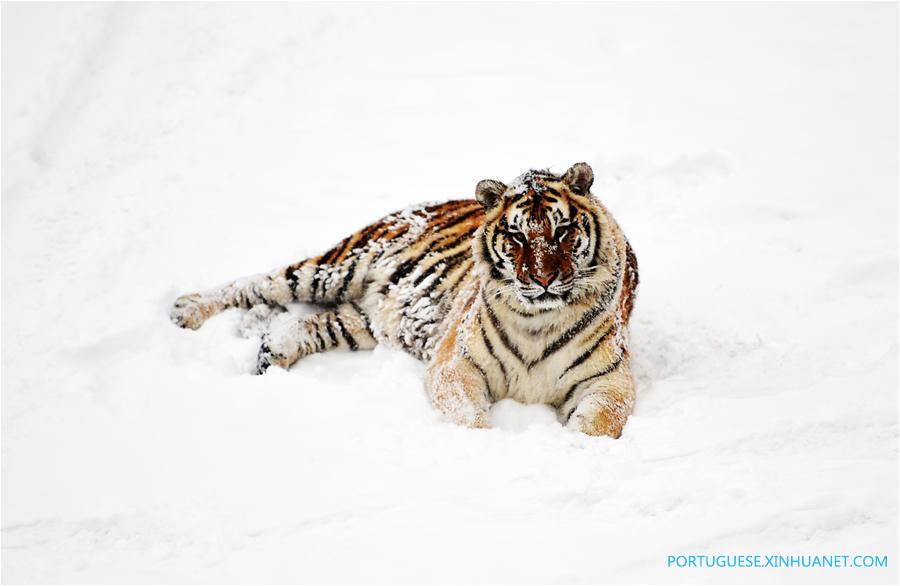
{"type": "Point", "coordinates": [748, 150]}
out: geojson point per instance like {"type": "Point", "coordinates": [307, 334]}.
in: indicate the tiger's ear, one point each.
{"type": "Point", "coordinates": [579, 178]}
{"type": "Point", "coordinates": [488, 192]}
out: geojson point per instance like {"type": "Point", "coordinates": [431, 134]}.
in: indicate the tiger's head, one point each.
{"type": "Point", "coordinates": [541, 237]}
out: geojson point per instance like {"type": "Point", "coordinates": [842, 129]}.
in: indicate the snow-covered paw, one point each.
{"type": "Point", "coordinates": [256, 321]}
{"type": "Point", "coordinates": [267, 357]}
{"type": "Point", "coordinates": [597, 416]}
{"type": "Point", "coordinates": [189, 311]}
{"type": "Point", "coordinates": [280, 344]}
{"type": "Point", "coordinates": [452, 402]}
{"type": "Point", "coordinates": [481, 420]}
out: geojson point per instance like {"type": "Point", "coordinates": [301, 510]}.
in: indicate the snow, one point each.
{"type": "Point", "coordinates": [749, 151]}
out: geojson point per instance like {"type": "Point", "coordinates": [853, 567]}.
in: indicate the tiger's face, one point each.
{"type": "Point", "coordinates": [541, 236]}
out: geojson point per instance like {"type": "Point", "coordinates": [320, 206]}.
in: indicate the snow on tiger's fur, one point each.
{"type": "Point", "coordinates": [524, 292]}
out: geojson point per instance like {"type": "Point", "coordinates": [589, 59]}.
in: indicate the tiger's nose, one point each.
{"type": "Point", "coordinates": [544, 280]}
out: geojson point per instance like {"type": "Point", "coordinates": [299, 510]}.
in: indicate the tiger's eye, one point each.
{"type": "Point", "coordinates": [518, 238]}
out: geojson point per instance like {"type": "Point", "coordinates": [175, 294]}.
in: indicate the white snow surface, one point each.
{"type": "Point", "coordinates": [749, 151]}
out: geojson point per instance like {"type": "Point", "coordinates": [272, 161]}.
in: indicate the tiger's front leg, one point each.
{"type": "Point", "coordinates": [601, 405]}
{"type": "Point", "coordinates": [456, 386]}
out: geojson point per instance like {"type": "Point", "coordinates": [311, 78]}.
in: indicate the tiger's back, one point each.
{"type": "Point", "coordinates": [402, 272]}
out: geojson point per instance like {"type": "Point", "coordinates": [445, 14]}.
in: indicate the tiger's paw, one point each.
{"type": "Point", "coordinates": [267, 358]}
{"type": "Point", "coordinates": [597, 416]}
{"type": "Point", "coordinates": [481, 421]}
{"type": "Point", "coordinates": [462, 412]}
{"type": "Point", "coordinates": [281, 344]}
{"type": "Point", "coordinates": [189, 311]}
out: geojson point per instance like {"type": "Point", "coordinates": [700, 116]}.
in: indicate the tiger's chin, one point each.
{"type": "Point", "coordinates": [545, 301]}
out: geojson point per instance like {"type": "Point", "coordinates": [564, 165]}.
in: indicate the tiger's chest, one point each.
{"type": "Point", "coordinates": [530, 364]}
{"type": "Point", "coordinates": [538, 384]}
{"type": "Point", "coordinates": [537, 378]}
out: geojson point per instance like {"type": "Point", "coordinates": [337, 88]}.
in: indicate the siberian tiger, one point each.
{"type": "Point", "coordinates": [524, 292]}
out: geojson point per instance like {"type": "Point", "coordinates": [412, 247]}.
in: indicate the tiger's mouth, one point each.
{"type": "Point", "coordinates": [545, 296]}
{"type": "Point", "coordinates": [544, 299]}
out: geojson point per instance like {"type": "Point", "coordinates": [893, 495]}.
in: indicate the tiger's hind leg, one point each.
{"type": "Point", "coordinates": [310, 280]}
{"type": "Point", "coordinates": [274, 289]}
{"type": "Point", "coordinates": [290, 338]}
{"type": "Point", "coordinates": [335, 277]}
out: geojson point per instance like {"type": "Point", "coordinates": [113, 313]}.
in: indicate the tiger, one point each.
{"type": "Point", "coordinates": [524, 292]}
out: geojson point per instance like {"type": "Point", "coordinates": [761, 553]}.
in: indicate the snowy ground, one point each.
{"type": "Point", "coordinates": [749, 152]}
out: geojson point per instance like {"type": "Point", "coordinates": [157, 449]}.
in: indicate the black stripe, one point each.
{"type": "Point", "coordinates": [484, 248]}
{"type": "Point", "coordinates": [484, 377]}
{"type": "Point", "coordinates": [409, 265]}
{"type": "Point", "coordinates": [453, 259]}
{"type": "Point", "coordinates": [314, 283]}
{"type": "Point", "coordinates": [364, 317]}
{"type": "Point", "coordinates": [322, 266]}
{"type": "Point", "coordinates": [494, 243]}
{"type": "Point", "coordinates": [292, 277]}
{"type": "Point", "coordinates": [320, 343]}
{"type": "Point", "coordinates": [573, 331]}
{"type": "Point", "coordinates": [485, 253]}
{"type": "Point", "coordinates": [330, 331]}
{"type": "Point", "coordinates": [590, 350]}
{"type": "Point", "coordinates": [335, 252]}
{"type": "Point", "coordinates": [465, 235]}
{"type": "Point", "coordinates": [347, 278]}
{"type": "Point", "coordinates": [451, 288]}
{"type": "Point", "coordinates": [443, 262]}
{"type": "Point", "coordinates": [490, 349]}
{"type": "Point", "coordinates": [402, 229]}
{"type": "Point", "coordinates": [365, 236]}
{"type": "Point", "coordinates": [598, 245]}
{"type": "Point", "coordinates": [449, 265]}
{"type": "Point", "coordinates": [459, 219]}
{"type": "Point", "coordinates": [539, 311]}
{"type": "Point", "coordinates": [405, 268]}
{"type": "Point", "coordinates": [351, 341]}
{"type": "Point", "coordinates": [388, 227]}
{"type": "Point", "coordinates": [590, 224]}
{"type": "Point", "coordinates": [383, 228]}
{"type": "Point", "coordinates": [608, 370]}
{"type": "Point", "coordinates": [500, 331]}
{"type": "Point", "coordinates": [495, 272]}
{"type": "Point", "coordinates": [535, 208]}
{"type": "Point", "coordinates": [609, 291]}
